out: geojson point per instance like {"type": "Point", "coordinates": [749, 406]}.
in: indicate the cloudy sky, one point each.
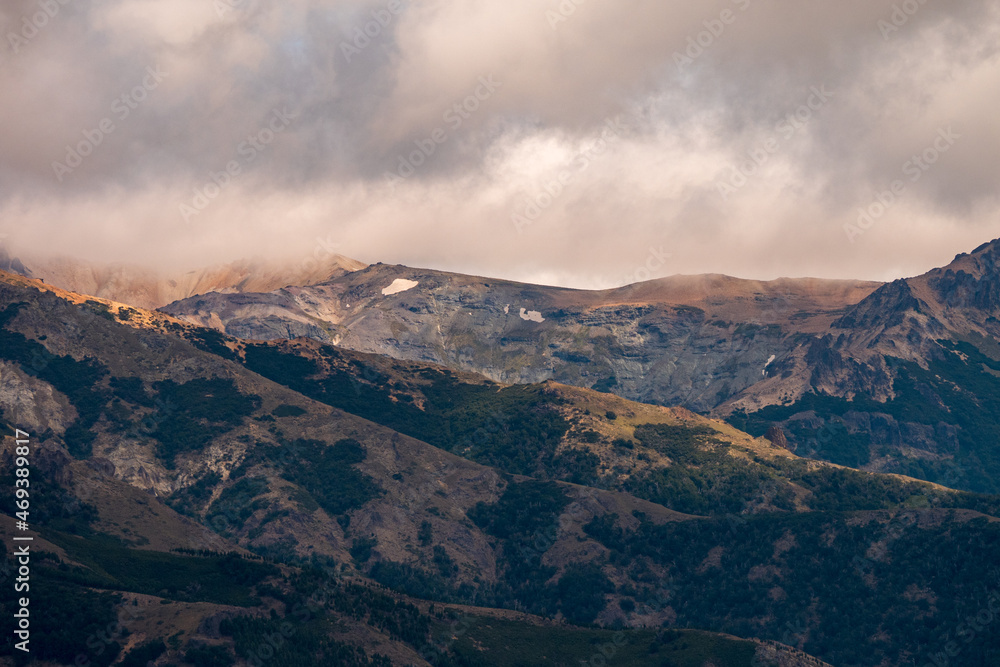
{"type": "Point", "coordinates": [570, 142]}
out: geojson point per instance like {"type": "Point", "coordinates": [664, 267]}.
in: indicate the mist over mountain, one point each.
{"type": "Point", "coordinates": [148, 288]}
{"type": "Point", "coordinates": [376, 333]}
{"type": "Point", "coordinates": [390, 425]}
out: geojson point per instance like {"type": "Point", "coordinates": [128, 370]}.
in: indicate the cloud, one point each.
{"type": "Point", "coordinates": [425, 132]}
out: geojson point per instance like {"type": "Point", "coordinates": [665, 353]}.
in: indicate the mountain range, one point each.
{"type": "Point", "coordinates": [857, 373]}
{"type": "Point", "coordinates": [692, 471]}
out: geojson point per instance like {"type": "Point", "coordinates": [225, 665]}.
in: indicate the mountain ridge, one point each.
{"type": "Point", "coordinates": [320, 459]}
{"type": "Point", "coordinates": [714, 344]}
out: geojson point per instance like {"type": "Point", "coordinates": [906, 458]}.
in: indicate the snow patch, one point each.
{"type": "Point", "coordinates": [769, 361]}
{"type": "Point", "coordinates": [531, 316]}
{"type": "Point", "coordinates": [399, 285]}
{"type": "Point", "coordinates": [506, 309]}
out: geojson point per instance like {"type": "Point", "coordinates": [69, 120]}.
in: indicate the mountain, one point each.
{"type": "Point", "coordinates": [906, 380]}
{"type": "Point", "coordinates": [205, 488]}
{"type": "Point", "coordinates": [856, 373]}
{"type": "Point", "coordinates": [906, 320]}
{"type": "Point", "coordinates": [160, 470]}
{"type": "Point", "coordinates": [688, 340]}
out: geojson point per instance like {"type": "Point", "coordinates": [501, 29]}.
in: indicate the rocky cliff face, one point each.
{"type": "Point", "coordinates": [905, 379]}
{"type": "Point", "coordinates": [692, 341]}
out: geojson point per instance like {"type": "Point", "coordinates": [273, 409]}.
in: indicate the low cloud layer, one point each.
{"type": "Point", "coordinates": [577, 142]}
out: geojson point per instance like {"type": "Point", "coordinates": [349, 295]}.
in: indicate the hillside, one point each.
{"type": "Point", "coordinates": [859, 374]}
{"type": "Point", "coordinates": [576, 506]}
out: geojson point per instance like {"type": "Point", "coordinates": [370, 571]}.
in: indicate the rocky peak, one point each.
{"type": "Point", "coordinates": [971, 281]}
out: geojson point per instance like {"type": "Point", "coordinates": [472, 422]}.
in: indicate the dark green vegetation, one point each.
{"type": "Point", "coordinates": [82, 622]}
{"type": "Point", "coordinates": [498, 643]}
{"type": "Point", "coordinates": [70, 625]}
{"type": "Point", "coordinates": [304, 643]}
{"type": "Point", "coordinates": [512, 428]}
{"type": "Point", "coordinates": [196, 412]}
{"type": "Point", "coordinates": [326, 473]}
{"type": "Point", "coordinates": [813, 569]}
{"type": "Point", "coordinates": [236, 504]}
{"type": "Point", "coordinates": [100, 309]}
{"type": "Point", "coordinates": [325, 476]}
{"type": "Point", "coordinates": [126, 314]}
{"type": "Point", "coordinates": [799, 579]}
{"type": "Point", "coordinates": [205, 339]}
{"type": "Point", "coordinates": [288, 411]}
{"type": "Point", "coordinates": [108, 564]}
{"type": "Point", "coordinates": [525, 523]}
{"type": "Point", "coordinates": [185, 417]}
{"type": "Point", "coordinates": [78, 380]}
{"type": "Point", "coordinates": [703, 479]}
{"type": "Point", "coordinates": [105, 562]}
{"type": "Point", "coordinates": [191, 498]}
{"type": "Point", "coordinates": [361, 549]}
{"type": "Point", "coordinates": [51, 504]}
{"type": "Point", "coordinates": [209, 656]}
{"type": "Point", "coordinates": [146, 652]}
{"type": "Point", "coordinates": [424, 583]}
{"type": "Point", "coordinates": [516, 429]}
{"type": "Point", "coordinates": [958, 392]}
{"type": "Point", "coordinates": [311, 597]}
